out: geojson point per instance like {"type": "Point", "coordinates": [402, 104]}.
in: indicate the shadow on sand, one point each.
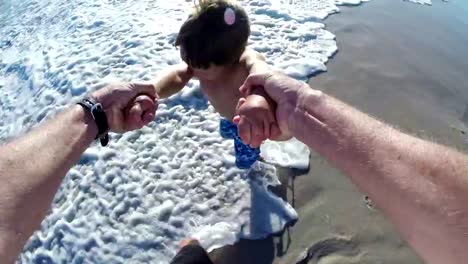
{"type": "Point", "coordinates": [263, 251]}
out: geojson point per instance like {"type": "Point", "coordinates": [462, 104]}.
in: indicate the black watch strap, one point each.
{"type": "Point", "coordinates": [99, 116]}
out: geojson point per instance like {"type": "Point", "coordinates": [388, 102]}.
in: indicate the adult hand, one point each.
{"type": "Point", "coordinates": [116, 99]}
{"type": "Point", "coordinates": [256, 117]}
{"type": "Point", "coordinates": [285, 91]}
{"type": "Point", "coordinates": [140, 112]}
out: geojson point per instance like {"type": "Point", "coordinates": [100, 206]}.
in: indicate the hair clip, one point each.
{"type": "Point", "coordinates": [229, 16]}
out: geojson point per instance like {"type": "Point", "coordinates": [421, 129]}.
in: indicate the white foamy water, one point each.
{"type": "Point", "coordinates": [422, 2]}
{"type": "Point", "coordinates": [136, 199]}
{"type": "Point", "coordinates": [298, 154]}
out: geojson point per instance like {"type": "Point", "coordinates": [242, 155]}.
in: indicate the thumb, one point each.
{"type": "Point", "coordinates": [150, 113]}
{"type": "Point", "coordinates": [236, 120]}
{"type": "Point", "coordinates": [133, 119]}
{"type": "Point", "coordinates": [240, 103]}
{"type": "Point", "coordinates": [251, 81]}
{"type": "Point", "coordinates": [148, 117]}
{"type": "Point", "coordinates": [146, 108]}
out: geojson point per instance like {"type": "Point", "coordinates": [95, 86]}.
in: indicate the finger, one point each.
{"type": "Point", "coordinates": [145, 88]}
{"type": "Point", "coordinates": [271, 120]}
{"type": "Point", "coordinates": [275, 132]}
{"type": "Point", "coordinates": [244, 130]}
{"type": "Point", "coordinates": [257, 134]}
{"type": "Point", "coordinates": [134, 117]}
{"type": "Point", "coordinates": [240, 103]}
{"type": "Point", "coordinates": [266, 128]}
{"type": "Point", "coordinates": [252, 80]}
{"type": "Point", "coordinates": [138, 115]}
{"type": "Point", "coordinates": [146, 103]}
{"type": "Point", "coordinates": [148, 117]}
{"type": "Point", "coordinates": [236, 120]}
{"type": "Point", "coordinates": [135, 111]}
{"type": "Point", "coordinates": [271, 116]}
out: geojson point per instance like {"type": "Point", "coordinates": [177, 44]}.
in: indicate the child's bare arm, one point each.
{"type": "Point", "coordinates": [254, 61]}
{"type": "Point", "coordinates": [172, 80]}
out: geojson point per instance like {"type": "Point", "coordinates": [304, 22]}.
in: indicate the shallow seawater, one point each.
{"type": "Point", "coordinates": [134, 200]}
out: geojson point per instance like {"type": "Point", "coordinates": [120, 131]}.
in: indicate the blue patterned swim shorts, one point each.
{"type": "Point", "coordinates": [246, 156]}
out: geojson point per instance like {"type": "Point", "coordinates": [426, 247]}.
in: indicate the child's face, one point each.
{"type": "Point", "coordinates": [210, 74]}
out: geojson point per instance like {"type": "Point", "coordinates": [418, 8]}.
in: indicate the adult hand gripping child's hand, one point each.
{"type": "Point", "coordinates": [256, 118]}
{"type": "Point", "coordinates": [141, 111]}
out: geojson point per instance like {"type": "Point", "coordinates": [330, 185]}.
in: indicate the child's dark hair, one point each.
{"type": "Point", "coordinates": [208, 38]}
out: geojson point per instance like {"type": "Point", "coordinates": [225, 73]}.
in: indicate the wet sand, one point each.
{"type": "Point", "coordinates": [405, 64]}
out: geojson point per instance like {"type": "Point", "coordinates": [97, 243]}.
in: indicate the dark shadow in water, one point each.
{"type": "Point", "coordinates": [327, 247]}
{"type": "Point", "coordinates": [263, 251]}
{"type": "Point", "coordinates": [287, 177]}
{"type": "Point", "coordinates": [247, 251]}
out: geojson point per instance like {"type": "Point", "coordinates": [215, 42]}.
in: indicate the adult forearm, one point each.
{"type": "Point", "coordinates": [33, 166]}
{"type": "Point", "coordinates": [31, 170]}
{"type": "Point", "coordinates": [422, 187]}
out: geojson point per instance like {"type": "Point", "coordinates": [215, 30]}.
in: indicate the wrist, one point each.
{"type": "Point", "coordinates": [309, 99]}
{"type": "Point", "coordinates": [307, 104]}
{"type": "Point", "coordinates": [86, 121]}
{"type": "Point", "coordinates": [99, 116]}
{"type": "Point", "coordinates": [102, 97]}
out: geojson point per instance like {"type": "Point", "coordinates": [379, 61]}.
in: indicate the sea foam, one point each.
{"type": "Point", "coordinates": [422, 2]}
{"type": "Point", "coordinates": [136, 199]}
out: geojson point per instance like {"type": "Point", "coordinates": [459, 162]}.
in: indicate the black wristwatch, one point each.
{"type": "Point", "coordinates": [99, 116]}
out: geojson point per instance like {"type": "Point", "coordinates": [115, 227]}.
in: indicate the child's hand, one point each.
{"type": "Point", "coordinates": [141, 112]}
{"type": "Point", "coordinates": [256, 120]}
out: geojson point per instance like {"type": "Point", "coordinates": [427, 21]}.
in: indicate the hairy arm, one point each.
{"type": "Point", "coordinates": [421, 186]}
{"type": "Point", "coordinates": [172, 80]}
{"type": "Point", "coordinates": [31, 170]}
{"type": "Point", "coordinates": [33, 166]}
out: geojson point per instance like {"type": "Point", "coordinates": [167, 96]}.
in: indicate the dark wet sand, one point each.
{"type": "Point", "coordinates": [405, 64]}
